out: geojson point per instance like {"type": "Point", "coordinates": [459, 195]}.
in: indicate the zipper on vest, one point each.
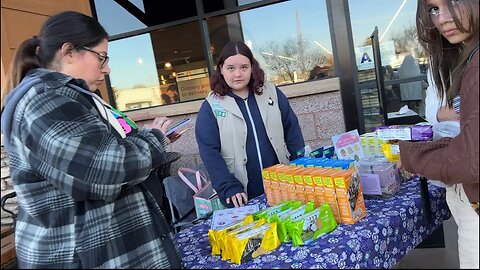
{"type": "Point", "coordinates": [254, 134]}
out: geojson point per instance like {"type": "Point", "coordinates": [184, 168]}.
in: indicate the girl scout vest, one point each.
{"type": "Point", "coordinates": [233, 129]}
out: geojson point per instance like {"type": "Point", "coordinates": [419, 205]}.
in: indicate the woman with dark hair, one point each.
{"type": "Point", "coordinates": [79, 166]}
{"type": "Point", "coordinates": [449, 33]}
{"type": "Point", "coordinates": [165, 99]}
{"type": "Point", "coordinates": [172, 92]}
{"type": "Point", "coordinates": [244, 125]}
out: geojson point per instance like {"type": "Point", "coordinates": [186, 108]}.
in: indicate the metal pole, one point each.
{"type": "Point", "coordinates": [379, 73]}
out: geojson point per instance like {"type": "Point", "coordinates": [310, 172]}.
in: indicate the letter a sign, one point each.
{"type": "Point", "coordinates": [365, 58]}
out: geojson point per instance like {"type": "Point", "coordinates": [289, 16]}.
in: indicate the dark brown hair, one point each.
{"type": "Point", "coordinates": [448, 61]}
{"type": "Point", "coordinates": [71, 27]}
{"type": "Point", "coordinates": [217, 82]}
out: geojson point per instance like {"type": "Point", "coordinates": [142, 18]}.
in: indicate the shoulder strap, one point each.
{"type": "Point", "coordinates": [199, 177]}
{"type": "Point", "coordinates": [111, 120]}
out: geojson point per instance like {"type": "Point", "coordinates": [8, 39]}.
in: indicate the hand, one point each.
{"type": "Point", "coordinates": [176, 135]}
{"type": "Point", "coordinates": [447, 114]}
{"type": "Point", "coordinates": [399, 163]}
{"type": "Point", "coordinates": [403, 173]}
{"type": "Point", "coordinates": [238, 199]}
{"type": "Point", "coordinates": [161, 123]}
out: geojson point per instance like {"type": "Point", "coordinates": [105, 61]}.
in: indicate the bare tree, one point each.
{"type": "Point", "coordinates": [367, 42]}
{"type": "Point", "coordinates": [406, 40]}
{"type": "Point", "coordinates": [293, 56]}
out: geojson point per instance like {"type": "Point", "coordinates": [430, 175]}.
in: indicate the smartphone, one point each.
{"type": "Point", "coordinates": [177, 126]}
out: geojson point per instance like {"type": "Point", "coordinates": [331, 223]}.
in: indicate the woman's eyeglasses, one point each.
{"type": "Point", "coordinates": [103, 57]}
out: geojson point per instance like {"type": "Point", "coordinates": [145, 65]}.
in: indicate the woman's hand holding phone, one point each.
{"type": "Point", "coordinates": [163, 124]}
{"type": "Point", "coordinates": [176, 135]}
{"type": "Point", "coordinates": [174, 132]}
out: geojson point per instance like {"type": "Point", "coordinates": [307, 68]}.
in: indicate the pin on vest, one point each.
{"type": "Point", "coordinates": [270, 101]}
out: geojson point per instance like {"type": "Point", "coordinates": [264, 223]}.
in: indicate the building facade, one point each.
{"type": "Point", "coordinates": [318, 52]}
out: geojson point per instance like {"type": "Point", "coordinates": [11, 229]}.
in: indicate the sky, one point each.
{"type": "Point", "coordinates": [132, 58]}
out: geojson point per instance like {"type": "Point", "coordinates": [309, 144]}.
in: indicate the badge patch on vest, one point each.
{"type": "Point", "coordinates": [270, 101]}
{"type": "Point", "coordinates": [218, 110]}
{"type": "Point", "coordinates": [220, 113]}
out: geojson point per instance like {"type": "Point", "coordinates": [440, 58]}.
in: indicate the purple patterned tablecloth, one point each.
{"type": "Point", "coordinates": [391, 229]}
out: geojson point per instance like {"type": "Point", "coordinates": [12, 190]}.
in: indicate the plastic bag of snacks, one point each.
{"type": "Point", "coordinates": [293, 205]}
{"type": "Point", "coordinates": [227, 238]}
{"type": "Point", "coordinates": [311, 225]}
{"type": "Point", "coordinates": [253, 243]}
{"type": "Point", "coordinates": [391, 150]}
{"type": "Point", "coordinates": [215, 236]}
{"type": "Point", "coordinates": [265, 213]}
{"type": "Point", "coordinates": [286, 218]}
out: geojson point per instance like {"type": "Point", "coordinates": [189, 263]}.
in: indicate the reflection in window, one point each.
{"type": "Point", "coordinates": [398, 40]}
{"type": "Point", "coordinates": [218, 5]}
{"type": "Point", "coordinates": [291, 48]}
{"type": "Point", "coordinates": [133, 75]}
{"type": "Point", "coordinates": [244, 2]}
{"type": "Point", "coordinates": [181, 47]}
{"type": "Point", "coordinates": [123, 16]}
{"type": "Point", "coordinates": [168, 65]}
{"type": "Point", "coordinates": [116, 19]}
{"type": "Point", "coordinates": [396, 30]}
{"type": "Point", "coordinates": [163, 67]}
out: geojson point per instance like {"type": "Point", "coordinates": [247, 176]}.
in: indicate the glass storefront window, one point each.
{"type": "Point", "coordinates": [163, 67]}
{"type": "Point", "coordinates": [245, 2]}
{"type": "Point", "coordinates": [115, 19]}
{"type": "Point", "coordinates": [133, 75]}
{"type": "Point", "coordinates": [125, 16]}
{"type": "Point", "coordinates": [169, 65]}
{"type": "Point", "coordinates": [399, 44]}
{"type": "Point", "coordinates": [396, 28]}
{"type": "Point", "coordinates": [217, 5]}
{"type": "Point", "coordinates": [290, 48]}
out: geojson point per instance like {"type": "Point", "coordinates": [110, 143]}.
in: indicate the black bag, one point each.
{"type": "Point", "coordinates": [180, 195]}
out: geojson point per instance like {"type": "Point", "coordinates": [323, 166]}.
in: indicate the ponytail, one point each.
{"type": "Point", "coordinates": [25, 59]}
{"type": "Point", "coordinates": [70, 27]}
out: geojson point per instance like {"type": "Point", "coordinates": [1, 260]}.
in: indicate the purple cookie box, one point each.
{"type": "Point", "coordinates": [421, 132]}
{"type": "Point", "coordinates": [417, 132]}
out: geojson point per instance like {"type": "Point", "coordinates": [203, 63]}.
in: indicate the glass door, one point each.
{"type": "Point", "coordinates": [403, 66]}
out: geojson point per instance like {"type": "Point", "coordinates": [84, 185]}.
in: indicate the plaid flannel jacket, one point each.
{"type": "Point", "coordinates": [79, 184]}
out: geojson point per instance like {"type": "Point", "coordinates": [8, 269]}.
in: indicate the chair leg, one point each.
{"type": "Point", "coordinates": [174, 218]}
{"type": "Point", "coordinates": [163, 171]}
{"type": "Point", "coordinates": [4, 199]}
